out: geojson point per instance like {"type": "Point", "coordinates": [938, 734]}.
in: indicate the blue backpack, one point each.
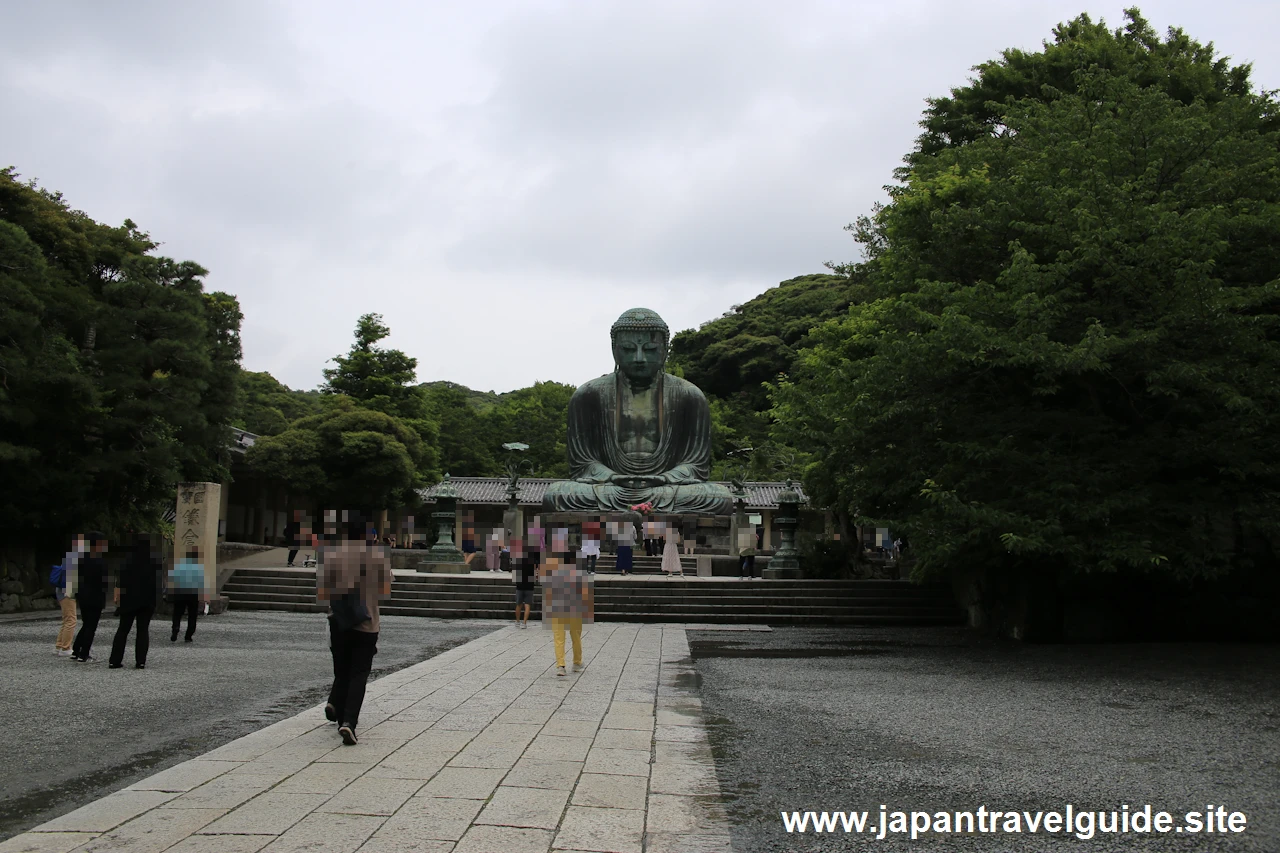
{"type": "Point", "coordinates": [58, 577]}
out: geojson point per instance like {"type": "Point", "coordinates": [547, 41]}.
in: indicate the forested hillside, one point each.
{"type": "Point", "coordinates": [732, 357]}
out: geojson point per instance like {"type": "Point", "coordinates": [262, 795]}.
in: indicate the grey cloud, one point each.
{"type": "Point", "coordinates": [522, 170]}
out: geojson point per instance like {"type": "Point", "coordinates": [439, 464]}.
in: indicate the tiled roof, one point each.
{"type": "Point", "coordinates": [493, 490]}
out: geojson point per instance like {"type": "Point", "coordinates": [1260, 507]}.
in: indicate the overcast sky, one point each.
{"type": "Point", "coordinates": [501, 180]}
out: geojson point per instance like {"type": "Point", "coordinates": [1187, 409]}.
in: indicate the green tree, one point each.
{"type": "Point", "coordinates": [1071, 364]}
{"type": "Point", "coordinates": [538, 416]}
{"type": "Point", "coordinates": [732, 358]}
{"type": "Point", "coordinates": [348, 457]}
{"type": "Point", "coordinates": [122, 382]}
{"type": "Point", "coordinates": [466, 440]}
{"type": "Point", "coordinates": [267, 407]}
{"type": "Point", "coordinates": [379, 379]}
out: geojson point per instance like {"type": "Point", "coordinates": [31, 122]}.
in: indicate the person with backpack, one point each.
{"type": "Point", "coordinates": [186, 583]}
{"type": "Point", "coordinates": [137, 595]}
{"type": "Point", "coordinates": [65, 597]}
{"type": "Point", "coordinates": [353, 578]}
{"type": "Point", "coordinates": [88, 586]}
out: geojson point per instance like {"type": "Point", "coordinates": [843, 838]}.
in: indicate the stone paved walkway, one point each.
{"type": "Point", "coordinates": [482, 748]}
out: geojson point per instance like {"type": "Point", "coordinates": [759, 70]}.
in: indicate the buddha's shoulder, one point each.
{"type": "Point", "coordinates": [593, 389]}
{"type": "Point", "coordinates": [683, 386]}
{"type": "Point", "coordinates": [606, 385]}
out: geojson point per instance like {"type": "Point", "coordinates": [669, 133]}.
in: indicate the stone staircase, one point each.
{"type": "Point", "coordinates": [485, 595]}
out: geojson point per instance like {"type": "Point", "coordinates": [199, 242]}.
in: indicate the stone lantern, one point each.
{"type": "Point", "coordinates": [513, 518]}
{"type": "Point", "coordinates": [445, 516]}
{"type": "Point", "coordinates": [786, 560]}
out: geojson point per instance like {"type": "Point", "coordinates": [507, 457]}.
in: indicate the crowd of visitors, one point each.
{"type": "Point", "coordinates": [82, 585]}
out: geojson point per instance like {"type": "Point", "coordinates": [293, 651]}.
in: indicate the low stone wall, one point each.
{"type": "Point", "coordinates": [228, 551]}
{"type": "Point", "coordinates": [24, 584]}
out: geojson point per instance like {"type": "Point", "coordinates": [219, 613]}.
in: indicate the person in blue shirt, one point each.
{"type": "Point", "coordinates": [186, 583]}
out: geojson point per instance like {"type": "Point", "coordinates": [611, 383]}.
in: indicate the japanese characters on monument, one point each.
{"type": "Point", "coordinates": [195, 527]}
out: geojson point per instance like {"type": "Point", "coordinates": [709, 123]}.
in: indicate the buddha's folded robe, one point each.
{"type": "Point", "coordinates": [606, 477]}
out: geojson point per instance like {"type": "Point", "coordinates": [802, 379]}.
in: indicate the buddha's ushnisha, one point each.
{"type": "Point", "coordinates": [639, 434]}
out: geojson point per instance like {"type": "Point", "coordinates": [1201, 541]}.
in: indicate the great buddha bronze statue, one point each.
{"type": "Point", "coordinates": [638, 434]}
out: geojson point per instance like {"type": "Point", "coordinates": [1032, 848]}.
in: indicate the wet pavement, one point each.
{"type": "Point", "coordinates": [76, 732]}
{"type": "Point", "coordinates": [828, 719]}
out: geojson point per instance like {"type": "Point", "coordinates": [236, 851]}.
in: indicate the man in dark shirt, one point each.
{"type": "Point", "coordinates": [525, 566]}
{"type": "Point", "coordinates": [91, 595]}
{"type": "Point", "coordinates": [137, 595]}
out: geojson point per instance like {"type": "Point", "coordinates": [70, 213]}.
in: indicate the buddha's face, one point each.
{"type": "Point", "coordinates": [639, 354]}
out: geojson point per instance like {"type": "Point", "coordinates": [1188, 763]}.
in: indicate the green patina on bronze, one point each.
{"type": "Point", "coordinates": [639, 434]}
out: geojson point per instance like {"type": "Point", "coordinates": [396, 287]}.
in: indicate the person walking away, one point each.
{"type": "Point", "coordinates": [136, 595]}
{"type": "Point", "coordinates": [89, 586]}
{"type": "Point", "coordinates": [355, 576]}
{"type": "Point", "coordinates": [524, 569]}
{"type": "Point", "coordinates": [293, 535]}
{"type": "Point", "coordinates": [626, 539]}
{"type": "Point", "coordinates": [568, 599]}
{"type": "Point", "coordinates": [63, 580]}
{"type": "Point", "coordinates": [689, 534]}
{"type": "Point", "coordinates": [186, 583]}
{"type": "Point", "coordinates": [746, 553]}
{"type": "Point", "coordinates": [590, 550]}
{"type": "Point", "coordinates": [670, 554]}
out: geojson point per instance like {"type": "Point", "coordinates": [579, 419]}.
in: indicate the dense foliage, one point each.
{"type": "Point", "coordinates": [330, 446]}
{"type": "Point", "coordinates": [474, 426]}
{"type": "Point", "coordinates": [732, 357]}
{"type": "Point", "coordinates": [265, 406]}
{"type": "Point", "coordinates": [1070, 359]}
{"type": "Point", "coordinates": [347, 456]}
{"type": "Point", "coordinates": [117, 371]}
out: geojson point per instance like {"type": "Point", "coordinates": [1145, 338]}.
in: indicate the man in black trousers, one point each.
{"type": "Point", "coordinates": [355, 576]}
{"type": "Point", "coordinates": [91, 595]}
{"type": "Point", "coordinates": [293, 534]}
{"type": "Point", "coordinates": [136, 595]}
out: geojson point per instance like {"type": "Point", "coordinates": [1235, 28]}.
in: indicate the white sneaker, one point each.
{"type": "Point", "coordinates": [64, 653]}
{"type": "Point", "coordinates": [579, 667]}
{"type": "Point", "coordinates": [560, 670]}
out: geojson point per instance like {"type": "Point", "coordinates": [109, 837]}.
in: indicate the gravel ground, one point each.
{"type": "Point", "coordinates": [925, 719]}
{"type": "Point", "coordinates": [76, 732]}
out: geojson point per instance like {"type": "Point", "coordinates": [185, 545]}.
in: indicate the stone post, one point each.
{"type": "Point", "coordinates": [195, 526]}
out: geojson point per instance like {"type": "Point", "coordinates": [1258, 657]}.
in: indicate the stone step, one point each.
{"type": "Point", "coordinates": [307, 576]}
{"type": "Point", "coordinates": [489, 596]}
{"type": "Point", "coordinates": [673, 591]}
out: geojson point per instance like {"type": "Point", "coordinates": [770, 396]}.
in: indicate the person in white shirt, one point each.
{"type": "Point", "coordinates": [590, 551]}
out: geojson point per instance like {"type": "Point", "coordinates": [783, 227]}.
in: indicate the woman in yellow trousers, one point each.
{"type": "Point", "coordinates": [568, 600]}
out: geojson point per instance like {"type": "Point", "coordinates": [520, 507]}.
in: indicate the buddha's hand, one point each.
{"type": "Point", "coordinates": [598, 475]}
{"type": "Point", "coordinates": [632, 481]}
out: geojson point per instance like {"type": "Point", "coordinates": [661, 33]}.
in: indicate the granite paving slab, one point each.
{"type": "Point", "coordinates": [481, 748]}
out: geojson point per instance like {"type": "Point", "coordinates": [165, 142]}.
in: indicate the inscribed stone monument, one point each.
{"type": "Point", "coordinates": [638, 434]}
{"type": "Point", "coordinates": [196, 527]}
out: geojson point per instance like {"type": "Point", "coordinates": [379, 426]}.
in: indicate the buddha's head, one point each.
{"type": "Point", "coordinates": [640, 340]}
